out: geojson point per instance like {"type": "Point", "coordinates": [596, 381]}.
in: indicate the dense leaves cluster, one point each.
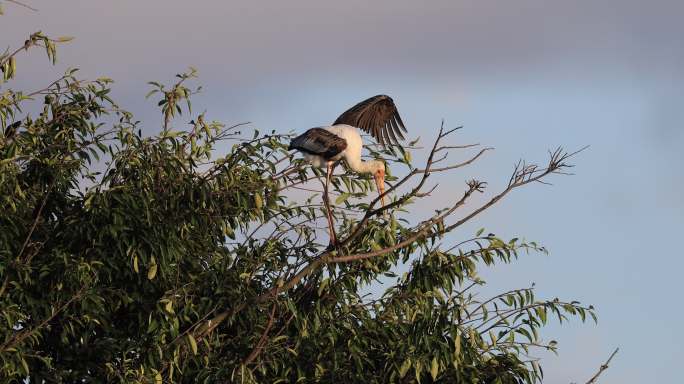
{"type": "Point", "coordinates": [195, 255]}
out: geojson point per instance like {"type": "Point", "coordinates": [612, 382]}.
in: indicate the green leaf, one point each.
{"type": "Point", "coordinates": [407, 156]}
{"type": "Point", "coordinates": [342, 198]}
{"type": "Point", "coordinates": [150, 206]}
{"type": "Point", "coordinates": [152, 271]}
{"type": "Point", "coordinates": [193, 343]}
{"type": "Point", "coordinates": [323, 286]}
{"type": "Point", "coordinates": [403, 370]}
{"type": "Point", "coordinates": [418, 367]}
{"type": "Point", "coordinates": [434, 368]}
{"type": "Point", "coordinates": [493, 337]}
{"type": "Point", "coordinates": [25, 366]}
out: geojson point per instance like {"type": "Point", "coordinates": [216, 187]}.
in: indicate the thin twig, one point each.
{"type": "Point", "coordinates": [22, 4]}
{"type": "Point", "coordinates": [603, 367]}
{"type": "Point", "coordinates": [456, 147]}
{"type": "Point", "coordinates": [23, 334]}
{"type": "Point", "coordinates": [374, 212]}
{"type": "Point", "coordinates": [422, 232]}
{"type": "Point", "coordinates": [41, 91]}
{"type": "Point", "coordinates": [262, 340]}
{"type": "Point", "coordinates": [522, 175]}
{"type": "Point", "coordinates": [458, 165]}
{"type": "Point", "coordinates": [35, 221]}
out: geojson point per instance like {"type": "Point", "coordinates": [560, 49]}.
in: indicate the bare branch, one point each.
{"type": "Point", "coordinates": [450, 130]}
{"type": "Point", "coordinates": [426, 173]}
{"type": "Point", "coordinates": [603, 367]}
{"type": "Point", "coordinates": [22, 5]}
{"type": "Point", "coordinates": [457, 165]}
{"type": "Point", "coordinates": [424, 194]}
{"type": "Point", "coordinates": [523, 174]}
{"type": "Point", "coordinates": [456, 147]}
{"type": "Point", "coordinates": [424, 231]}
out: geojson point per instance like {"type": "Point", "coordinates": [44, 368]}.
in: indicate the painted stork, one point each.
{"type": "Point", "coordinates": [325, 146]}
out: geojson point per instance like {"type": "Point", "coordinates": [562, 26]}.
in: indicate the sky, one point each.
{"type": "Point", "coordinates": [522, 76]}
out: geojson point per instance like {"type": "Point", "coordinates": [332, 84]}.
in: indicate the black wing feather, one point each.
{"type": "Point", "coordinates": [377, 116]}
{"type": "Point", "coordinates": [318, 141]}
{"type": "Point", "coordinates": [400, 124]}
{"type": "Point", "coordinates": [393, 124]}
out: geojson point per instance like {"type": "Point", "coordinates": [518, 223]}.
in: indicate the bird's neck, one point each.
{"type": "Point", "coordinates": [360, 166]}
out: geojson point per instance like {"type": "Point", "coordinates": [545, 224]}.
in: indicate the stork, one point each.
{"type": "Point", "coordinates": [325, 146]}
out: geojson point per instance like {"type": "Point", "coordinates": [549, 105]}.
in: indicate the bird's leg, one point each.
{"type": "Point", "coordinates": [326, 201]}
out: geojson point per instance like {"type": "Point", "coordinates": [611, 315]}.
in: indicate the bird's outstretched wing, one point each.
{"type": "Point", "coordinates": [318, 141]}
{"type": "Point", "coordinates": [378, 116]}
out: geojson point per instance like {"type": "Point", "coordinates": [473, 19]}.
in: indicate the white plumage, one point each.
{"type": "Point", "coordinates": [351, 154]}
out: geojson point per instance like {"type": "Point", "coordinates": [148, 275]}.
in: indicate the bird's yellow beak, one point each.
{"type": "Point", "coordinates": [380, 184]}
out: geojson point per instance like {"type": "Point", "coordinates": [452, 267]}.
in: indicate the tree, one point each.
{"type": "Point", "coordinates": [126, 258]}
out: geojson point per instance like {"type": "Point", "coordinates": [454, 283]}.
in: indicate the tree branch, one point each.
{"type": "Point", "coordinates": [19, 337]}
{"type": "Point", "coordinates": [421, 233]}
{"type": "Point", "coordinates": [426, 173]}
{"type": "Point", "coordinates": [456, 147]}
{"type": "Point", "coordinates": [603, 367]}
{"type": "Point", "coordinates": [264, 336]}
{"type": "Point", "coordinates": [22, 5]}
{"type": "Point", "coordinates": [522, 175]}
{"type": "Point", "coordinates": [472, 159]}
{"type": "Point", "coordinates": [35, 221]}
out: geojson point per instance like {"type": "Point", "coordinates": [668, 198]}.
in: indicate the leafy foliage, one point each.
{"type": "Point", "coordinates": [178, 258]}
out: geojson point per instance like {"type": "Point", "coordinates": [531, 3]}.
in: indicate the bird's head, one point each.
{"type": "Point", "coordinates": [378, 169]}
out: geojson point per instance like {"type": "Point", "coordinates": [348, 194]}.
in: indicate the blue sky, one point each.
{"type": "Point", "coordinates": [521, 76]}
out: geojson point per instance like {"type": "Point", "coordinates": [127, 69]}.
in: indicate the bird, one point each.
{"type": "Point", "coordinates": [325, 146]}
